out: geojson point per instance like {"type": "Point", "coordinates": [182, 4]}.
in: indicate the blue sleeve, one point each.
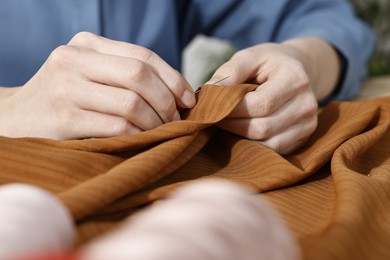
{"type": "Point", "coordinates": [333, 21]}
{"type": "Point", "coordinates": [250, 22]}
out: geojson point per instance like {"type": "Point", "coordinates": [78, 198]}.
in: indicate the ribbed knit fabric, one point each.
{"type": "Point", "coordinates": [334, 193]}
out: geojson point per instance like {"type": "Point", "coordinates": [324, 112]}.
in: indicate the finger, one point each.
{"type": "Point", "coordinates": [241, 68]}
{"type": "Point", "coordinates": [124, 73]}
{"type": "Point", "coordinates": [87, 124]}
{"type": "Point", "coordinates": [266, 127]}
{"type": "Point", "coordinates": [173, 80]}
{"type": "Point", "coordinates": [119, 102]}
{"type": "Point", "coordinates": [294, 146]}
{"type": "Point", "coordinates": [293, 137]}
{"type": "Point", "coordinates": [256, 128]}
{"type": "Point", "coordinates": [272, 95]}
{"type": "Point", "coordinates": [283, 142]}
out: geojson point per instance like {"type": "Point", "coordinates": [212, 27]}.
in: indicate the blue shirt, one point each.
{"type": "Point", "coordinates": [31, 29]}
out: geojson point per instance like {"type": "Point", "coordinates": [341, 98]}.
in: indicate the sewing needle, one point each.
{"type": "Point", "coordinates": [212, 83]}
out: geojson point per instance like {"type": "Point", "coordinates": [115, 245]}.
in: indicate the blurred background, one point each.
{"type": "Point", "coordinates": [377, 14]}
{"type": "Point", "coordinates": [204, 55]}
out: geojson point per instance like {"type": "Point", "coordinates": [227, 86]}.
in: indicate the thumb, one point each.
{"type": "Point", "coordinates": [239, 69]}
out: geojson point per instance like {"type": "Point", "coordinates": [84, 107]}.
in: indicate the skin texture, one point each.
{"type": "Point", "coordinates": [292, 76]}
{"type": "Point", "coordinates": [96, 87]}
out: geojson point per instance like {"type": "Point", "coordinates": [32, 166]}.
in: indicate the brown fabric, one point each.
{"type": "Point", "coordinates": [334, 193]}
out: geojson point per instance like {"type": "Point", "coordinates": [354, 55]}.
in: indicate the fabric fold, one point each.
{"type": "Point", "coordinates": [333, 193]}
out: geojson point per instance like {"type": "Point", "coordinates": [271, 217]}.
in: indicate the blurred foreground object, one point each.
{"type": "Point", "coordinates": [377, 14]}
{"type": "Point", "coordinates": [208, 220]}
{"type": "Point", "coordinates": [32, 221]}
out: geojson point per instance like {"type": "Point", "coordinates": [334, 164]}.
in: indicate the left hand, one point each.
{"type": "Point", "coordinates": [282, 112]}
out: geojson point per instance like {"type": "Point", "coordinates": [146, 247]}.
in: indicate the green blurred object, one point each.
{"type": "Point", "coordinates": [377, 14]}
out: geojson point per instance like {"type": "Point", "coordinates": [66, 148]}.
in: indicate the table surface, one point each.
{"type": "Point", "coordinates": [374, 87]}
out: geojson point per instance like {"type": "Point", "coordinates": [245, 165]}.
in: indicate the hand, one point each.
{"type": "Point", "coordinates": [282, 112]}
{"type": "Point", "coordinates": [95, 87]}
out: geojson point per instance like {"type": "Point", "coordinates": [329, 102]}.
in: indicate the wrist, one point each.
{"type": "Point", "coordinates": [321, 62]}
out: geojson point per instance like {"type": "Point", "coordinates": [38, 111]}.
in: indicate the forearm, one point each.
{"type": "Point", "coordinates": [322, 63]}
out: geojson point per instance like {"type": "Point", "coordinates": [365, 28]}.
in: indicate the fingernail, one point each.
{"type": "Point", "coordinates": [188, 99]}
{"type": "Point", "coordinates": [176, 116]}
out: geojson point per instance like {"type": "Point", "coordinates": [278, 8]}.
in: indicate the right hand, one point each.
{"type": "Point", "coordinates": [95, 87]}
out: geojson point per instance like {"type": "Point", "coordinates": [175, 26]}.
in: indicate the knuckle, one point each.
{"type": "Point", "coordinates": [131, 104]}
{"type": "Point", "coordinates": [120, 126]}
{"type": "Point", "coordinates": [169, 110]}
{"type": "Point", "coordinates": [313, 125]}
{"type": "Point", "coordinates": [143, 53]}
{"type": "Point", "coordinates": [311, 106]}
{"type": "Point", "coordinates": [298, 72]}
{"type": "Point", "coordinates": [275, 144]}
{"type": "Point", "coordinates": [62, 56]}
{"type": "Point", "coordinates": [265, 105]}
{"type": "Point", "coordinates": [84, 38]}
{"type": "Point", "coordinates": [136, 71]}
{"type": "Point", "coordinates": [260, 131]}
{"type": "Point", "coordinates": [308, 128]}
{"type": "Point", "coordinates": [244, 54]}
{"type": "Point", "coordinates": [303, 80]}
